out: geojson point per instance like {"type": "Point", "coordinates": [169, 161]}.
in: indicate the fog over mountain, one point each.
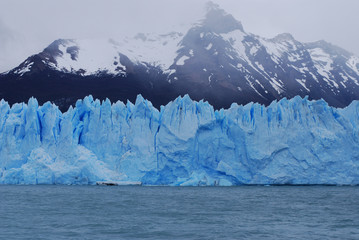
{"type": "Point", "coordinates": [214, 58]}
{"type": "Point", "coordinates": [26, 27]}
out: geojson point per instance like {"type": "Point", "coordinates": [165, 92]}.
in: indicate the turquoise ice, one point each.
{"type": "Point", "coordinates": [294, 141]}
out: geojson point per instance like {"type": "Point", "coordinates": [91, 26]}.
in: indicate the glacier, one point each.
{"type": "Point", "coordinates": [185, 143]}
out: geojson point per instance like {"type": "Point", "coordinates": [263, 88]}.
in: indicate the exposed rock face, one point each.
{"type": "Point", "coordinates": [215, 60]}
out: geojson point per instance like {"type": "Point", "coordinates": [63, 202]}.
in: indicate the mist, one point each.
{"type": "Point", "coordinates": [27, 27]}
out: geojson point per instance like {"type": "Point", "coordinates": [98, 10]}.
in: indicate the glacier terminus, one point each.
{"type": "Point", "coordinates": [186, 143]}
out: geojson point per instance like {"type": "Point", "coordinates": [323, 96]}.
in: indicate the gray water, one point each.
{"type": "Point", "coordinates": [251, 212]}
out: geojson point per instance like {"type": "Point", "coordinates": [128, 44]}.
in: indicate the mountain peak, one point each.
{"type": "Point", "coordinates": [329, 48]}
{"type": "Point", "coordinates": [284, 37]}
{"type": "Point", "coordinates": [212, 6]}
{"type": "Point", "coordinates": [219, 21]}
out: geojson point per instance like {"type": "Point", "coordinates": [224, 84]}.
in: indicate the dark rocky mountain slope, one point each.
{"type": "Point", "coordinates": [215, 60]}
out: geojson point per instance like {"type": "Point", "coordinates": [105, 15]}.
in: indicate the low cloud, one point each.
{"type": "Point", "coordinates": [42, 21]}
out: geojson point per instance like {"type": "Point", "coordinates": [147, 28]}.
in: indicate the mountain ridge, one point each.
{"type": "Point", "coordinates": [215, 60]}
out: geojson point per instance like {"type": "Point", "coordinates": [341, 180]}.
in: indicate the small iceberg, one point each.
{"type": "Point", "coordinates": [121, 183]}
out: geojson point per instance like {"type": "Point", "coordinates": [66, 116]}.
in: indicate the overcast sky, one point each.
{"type": "Point", "coordinates": [28, 26]}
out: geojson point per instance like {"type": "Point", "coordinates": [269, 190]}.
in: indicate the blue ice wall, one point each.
{"type": "Point", "coordinates": [293, 141]}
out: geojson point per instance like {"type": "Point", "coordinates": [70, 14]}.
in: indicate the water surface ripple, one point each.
{"type": "Point", "coordinates": [248, 212]}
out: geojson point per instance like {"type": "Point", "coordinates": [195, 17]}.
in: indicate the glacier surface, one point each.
{"type": "Point", "coordinates": [186, 143]}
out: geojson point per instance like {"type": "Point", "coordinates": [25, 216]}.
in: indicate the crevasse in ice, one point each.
{"type": "Point", "coordinates": [293, 141]}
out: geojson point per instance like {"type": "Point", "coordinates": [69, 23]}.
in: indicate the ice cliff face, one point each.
{"type": "Point", "coordinates": [293, 141]}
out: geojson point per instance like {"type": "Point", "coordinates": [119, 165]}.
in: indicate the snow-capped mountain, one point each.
{"type": "Point", "coordinates": [105, 56]}
{"type": "Point", "coordinates": [215, 60]}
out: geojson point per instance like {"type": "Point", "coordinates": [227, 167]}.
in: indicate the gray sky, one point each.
{"type": "Point", "coordinates": [28, 26]}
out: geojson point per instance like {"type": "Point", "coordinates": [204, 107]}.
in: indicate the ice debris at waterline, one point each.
{"type": "Point", "coordinates": [293, 141]}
